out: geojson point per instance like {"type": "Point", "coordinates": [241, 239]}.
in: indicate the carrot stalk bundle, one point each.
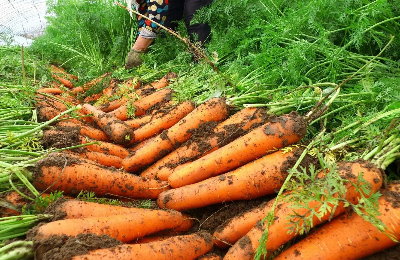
{"type": "Point", "coordinates": [143, 104]}
{"type": "Point", "coordinates": [351, 237]}
{"type": "Point", "coordinates": [163, 122]}
{"type": "Point", "coordinates": [124, 227]}
{"type": "Point", "coordinates": [213, 110]}
{"type": "Point", "coordinates": [278, 132]}
{"type": "Point", "coordinates": [69, 174]}
{"type": "Point", "coordinates": [115, 129]}
{"type": "Point", "coordinates": [240, 122]}
{"type": "Point", "coordinates": [261, 177]}
{"type": "Point", "coordinates": [187, 247]}
{"type": "Point", "coordinates": [245, 247]}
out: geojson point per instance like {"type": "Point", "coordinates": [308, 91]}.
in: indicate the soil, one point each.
{"type": "Point", "coordinates": [392, 253]}
{"type": "Point", "coordinates": [60, 139]}
{"type": "Point", "coordinates": [64, 247]}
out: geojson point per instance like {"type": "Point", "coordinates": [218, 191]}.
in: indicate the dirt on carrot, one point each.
{"type": "Point", "coordinates": [66, 139]}
{"type": "Point", "coordinates": [64, 247]}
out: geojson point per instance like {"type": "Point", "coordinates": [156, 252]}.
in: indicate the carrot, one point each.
{"type": "Point", "coordinates": [10, 200]}
{"type": "Point", "coordinates": [71, 175]}
{"type": "Point", "coordinates": [67, 83]}
{"type": "Point", "coordinates": [50, 101]}
{"type": "Point", "coordinates": [101, 158]}
{"type": "Point", "coordinates": [141, 145]}
{"type": "Point", "coordinates": [213, 110]}
{"type": "Point", "coordinates": [351, 237]}
{"type": "Point", "coordinates": [186, 247]}
{"type": "Point", "coordinates": [114, 128]}
{"type": "Point", "coordinates": [73, 209]}
{"type": "Point", "coordinates": [77, 90]}
{"type": "Point", "coordinates": [46, 113]}
{"type": "Point", "coordinates": [95, 81]}
{"type": "Point", "coordinates": [230, 129]}
{"type": "Point", "coordinates": [150, 239]}
{"type": "Point", "coordinates": [49, 90]}
{"type": "Point", "coordinates": [278, 132]}
{"type": "Point", "coordinates": [245, 247]}
{"type": "Point", "coordinates": [55, 70]}
{"type": "Point", "coordinates": [140, 121]}
{"type": "Point", "coordinates": [104, 147]}
{"type": "Point", "coordinates": [83, 129]}
{"type": "Point", "coordinates": [261, 177]}
{"type": "Point", "coordinates": [92, 98]}
{"type": "Point", "coordinates": [161, 123]}
{"type": "Point", "coordinates": [143, 104]}
{"type": "Point", "coordinates": [210, 256]}
{"type": "Point", "coordinates": [124, 227]}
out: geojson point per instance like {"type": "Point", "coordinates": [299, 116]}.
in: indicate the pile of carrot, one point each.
{"type": "Point", "coordinates": [144, 145]}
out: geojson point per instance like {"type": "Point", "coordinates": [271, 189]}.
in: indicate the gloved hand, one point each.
{"type": "Point", "coordinates": [134, 59]}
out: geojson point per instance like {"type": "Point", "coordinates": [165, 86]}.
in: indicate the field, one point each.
{"type": "Point", "coordinates": [280, 141]}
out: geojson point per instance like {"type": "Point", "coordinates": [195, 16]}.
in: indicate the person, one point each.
{"type": "Point", "coordinates": [167, 13]}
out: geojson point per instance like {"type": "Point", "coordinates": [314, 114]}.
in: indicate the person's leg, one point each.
{"type": "Point", "coordinates": [174, 14]}
{"type": "Point", "coordinates": [200, 32]}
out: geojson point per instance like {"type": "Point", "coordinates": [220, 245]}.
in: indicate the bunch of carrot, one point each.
{"type": "Point", "coordinates": [187, 156]}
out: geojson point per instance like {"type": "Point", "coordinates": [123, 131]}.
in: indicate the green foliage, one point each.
{"type": "Point", "coordinates": [91, 197]}
{"type": "Point", "coordinates": [41, 203]}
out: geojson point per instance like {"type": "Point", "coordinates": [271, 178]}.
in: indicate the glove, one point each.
{"type": "Point", "coordinates": [134, 59]}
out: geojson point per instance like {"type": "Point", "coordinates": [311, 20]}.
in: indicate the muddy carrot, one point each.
{"type": "Point", "coordinates": [78, 175]}
{"type": "Point", "coordinates": [351, 237]}
{"type": "Point", "coordinates": [67, 83]}
{"type": "Point", "coordinates": [210, 257]}
{"type": "Point", "coordinates": [124, 227]}
{"type": "Point", "coordinates": [105, 147]}
{"type": "Point", "coordinates": [141, 145]}
{"type": "Point", "coordinates": [140, 106]}
{"type": "Point", "coordinates": [83, 129]}
{"type": "Point", "coordinates": [46, 113]}
{"type": "Point", "coordinates": [187, 247]}
{"type": "Point", "coordinates": [49, 90]}
{"type": "Point", "coordinates": [235, 126]}
{"type": "Point", "coordinates": [114, 128]}
{"type": "Point", "coordinates": [56, 70]}
{"type": "Point", "coordinates": [278, 132]}
{"type": "Point", "coordinates": [284, 213]}
{"type": "Point", "coordinates": [140, 121]}
{"type": "Point", "coordinates": [261, 177]}
{"type": "Point", "coordinates": [92, 98]}
{"type": "Point", "coordinates": [101, 158]}
{"type": "Point", "coordinates": [158, 124]}
{"type": "Point", "coordinates": [213, 110]}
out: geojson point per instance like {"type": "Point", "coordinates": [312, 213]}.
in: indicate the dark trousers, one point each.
{"type": "Point", "coordinates": [187, 8]}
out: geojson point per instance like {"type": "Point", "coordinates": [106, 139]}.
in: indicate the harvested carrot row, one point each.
{"type": "Point", "coordinates": [143, 104]}
{"type": "Point", "coordinates": [78, 175]}
{"type": "Point", "coordinates": [278, 132]}
{"type": "Point", "coordinates": [230, 129]}
{"type": "Point", "coordinates": [124, 227]}
{"type": "Point", "coordinates": [49, 90]}
{"type": "Point", "coordinates": [261, 177]}
{"type": "Point", "coordinates": [114, 128]}
{"type": "Point", "coordinates": [351, 237]}
{"type": "Point", "coordinates": [245, 247]}
{"type": "Point", "coordinates": [83, 129]}
{"type": "Point", "coordinates": [213, 110]}
{"type": "Point", "coordinates": [187, 247]}
{"type": "Point", "coordinates": [163, 122]}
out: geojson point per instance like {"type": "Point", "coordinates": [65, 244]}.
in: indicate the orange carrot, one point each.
{"type": "Point", "coordinates": [78, 175]}
{"type": "Point", "coordinates": [115, 129]}
{"type": "Point", "coordinates": [49, 90]}
{"type": "Point", "coordinates": [187, 247]}
{"type": "Point", "coordinates": [235, 126]}
{"type": "Point", "coordinates": [163, 122]}
{"type": "Point", "coordinates": [153, 238]}
{"type": "Point", "coordinates": [213, 110]}
{"type": "Point", "coordinates": [284, 213]}
{"type": "Point", "coordinates": [74, 209]}
{"type": "Point", "coordinates": [278, 132]}
{"type": "Point", "coordinates": [77, 90]}
{"type": "Point", "coordinates": [92, 98]}
{"type": "Point", "coordinates": [14, 200]}
{"type": "Point", "coordinates": [101, 158]}
{"type": "Point", "coordinates": [261, 177]}
{"type": "Point", "coordinates": [124, 227]}
{"type": "Point", "coordinates": [95, 81]}
{"type": "Point", "coordinates": [141, 145]}
{"type": "Point", "coordinates": [140, 121]}
{"type": "Point", "coordinates": [46, 113]}
{"type": "Point", "coordinates": [67, 83]}
{"type": "Point", "coordinates": [104, 147]}
{"type": "Point", "coordinates": [83, 129]}
{"type": "Point", "coordinates": [210, 257]}
{"type": "Point", "coordinates": [60, 71]}
{"type": "Point", "coordinates": [143, 104]}
{"type": "Point", "coordinates": [351, 237]}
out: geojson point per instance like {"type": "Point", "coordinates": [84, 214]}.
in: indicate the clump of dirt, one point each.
{"type": "Point", "coordinates": [212, 216]}
{"type": "Point", "coordinates": [305, 163]}
{"type": "Point", "coordinates": [65, 248]}
{"type": "Point", "coordinates": [60, 139]}
{"type": "Point", "coordinates": [53, 209]}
